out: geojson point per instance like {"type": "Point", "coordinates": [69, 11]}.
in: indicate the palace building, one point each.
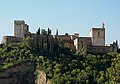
{"type": "Point", "coordinates": [95, 43]}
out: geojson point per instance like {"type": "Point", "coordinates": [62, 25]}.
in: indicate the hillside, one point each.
{"type": "Point", "coordinates": [60, 65]}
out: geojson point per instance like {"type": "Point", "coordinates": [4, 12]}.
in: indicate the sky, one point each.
{"type": "Point", "coordinates": [68, 16]}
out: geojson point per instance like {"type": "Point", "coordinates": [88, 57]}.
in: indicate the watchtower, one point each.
{"type": "Point", "coordinates": [20, 28]}
{"type": "Point", "coordinates": [98, 36]}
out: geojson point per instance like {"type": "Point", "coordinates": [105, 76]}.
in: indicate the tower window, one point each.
{"type": "Point", "coordinates": [98, 34]}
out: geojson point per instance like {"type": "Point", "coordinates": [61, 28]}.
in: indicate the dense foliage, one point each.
{"type": "Point", "coordinates": [62, 65]}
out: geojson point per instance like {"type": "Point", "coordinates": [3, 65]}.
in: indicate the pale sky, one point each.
{"type": "Point", "coordinates": [71, 16]}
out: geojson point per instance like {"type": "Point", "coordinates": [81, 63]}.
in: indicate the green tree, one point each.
{"type": "Point", "coordinates": [38, 31]}
{"type": "Point", "coordinates": [57, 32]}
{"type": "Point", "coordinates": [43, 32]}
{"type": "Point", "coordinates": [66, 34]}
{"type": "Point", "coordinates": [1, 45]}
{"type": "Point", "coordinates": [49, 31]}
{"type": "Point", "coordinates": [28, 43]}
{"type": "Point", "coordinates": [114, 71]}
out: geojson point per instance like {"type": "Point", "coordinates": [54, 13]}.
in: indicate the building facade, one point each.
{"type": "Point", "coordinates": [95, 43]}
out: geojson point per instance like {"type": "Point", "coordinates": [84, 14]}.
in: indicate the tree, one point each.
{"type": "Point", "coordinates": [38, 32]}
{"type": "Point", "coordinates": [28, 43]}
{"type": "Point", "coordinates": [114, 71]}
{"type": "Point", "coordinates": [66, 34]}
{"type": "Point", "coordinates": [43, 32]}
{"type": "Point", "coordinates": [49, 31]}
{"type": "Point", "coordinates": [57, 32]}
{"type": "Point", "coordinates": [1, 45]}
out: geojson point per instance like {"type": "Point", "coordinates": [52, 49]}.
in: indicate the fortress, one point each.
{"type": "Point", "coordinates": [95, 43]}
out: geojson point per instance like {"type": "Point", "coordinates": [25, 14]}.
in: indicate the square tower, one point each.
{"type": "Point", "coordinates": [20, 28]}
{"type": "Point", "coordinates": [98, 36]}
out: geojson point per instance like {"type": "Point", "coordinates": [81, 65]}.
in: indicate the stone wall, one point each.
{"type": "Point", "coordinates": [10, 39]}
{"type": "Point", "coordinates": [22, 73]}
{"type": "Point", "coordinates": [99, 49]}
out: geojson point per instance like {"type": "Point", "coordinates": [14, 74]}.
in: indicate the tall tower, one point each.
{"type": "Point", "coordinates": [98, 36]}
{"type": "Point", "coordinates": [20, 28]}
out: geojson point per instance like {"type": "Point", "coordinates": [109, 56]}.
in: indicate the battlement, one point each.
{"type": "Point", "coordinates": [19, 22]}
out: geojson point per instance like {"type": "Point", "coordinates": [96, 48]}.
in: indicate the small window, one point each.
{"type": "Point", "coordinates": [98, 34]}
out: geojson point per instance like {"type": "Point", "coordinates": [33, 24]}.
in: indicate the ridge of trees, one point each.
{"type": "Point", "coordinates": [43, 31]}
{"type": "Point", "coordinates": [61, 65]}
